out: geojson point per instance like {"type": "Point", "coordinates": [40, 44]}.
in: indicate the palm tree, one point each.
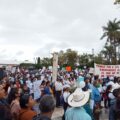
{"type": "Point", "coordinates": [108, 54]}
{"type": "Point", "coordinates": [112, 33]}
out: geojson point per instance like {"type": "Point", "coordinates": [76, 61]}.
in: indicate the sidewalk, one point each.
{"type": "Point", "coordinates": [58, 113]}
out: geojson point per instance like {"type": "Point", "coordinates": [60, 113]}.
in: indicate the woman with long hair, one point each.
{"type": "Point", "coordinates": [13, 100]}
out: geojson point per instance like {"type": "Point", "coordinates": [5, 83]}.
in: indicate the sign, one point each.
{"type": "Point", "coordinates": [68, 68]}
{"type": "Point", "coordinates": [13, 70]}
{"type": "Point", "coordinates": [107, 70]}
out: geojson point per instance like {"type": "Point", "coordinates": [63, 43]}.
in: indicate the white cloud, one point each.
{"type": "Point", "coordinates": [36, 27]}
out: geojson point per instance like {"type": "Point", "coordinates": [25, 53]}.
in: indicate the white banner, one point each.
{"type": "Point", "coordinates": [107, 70]}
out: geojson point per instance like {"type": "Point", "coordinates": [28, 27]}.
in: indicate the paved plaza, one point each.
{"type": "Point", "coordinates": [57, 115]}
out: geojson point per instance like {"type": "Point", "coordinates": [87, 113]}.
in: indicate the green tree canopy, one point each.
{"type": "Point", "coordinates": [117, 2]}
{"type": "Point", "coordinates": [112, 34]}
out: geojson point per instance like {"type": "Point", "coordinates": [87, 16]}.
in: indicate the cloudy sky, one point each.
{"type": "Point", "coordinates": [30, 28]}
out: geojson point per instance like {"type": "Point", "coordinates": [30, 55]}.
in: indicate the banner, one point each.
{"type": "Point", "coordinates": [107, 70]}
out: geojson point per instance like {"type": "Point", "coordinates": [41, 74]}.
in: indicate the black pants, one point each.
{"type": "Point", "coordinates": [65, 105]}
{"type": "Point", "coordinates": [58, 94]}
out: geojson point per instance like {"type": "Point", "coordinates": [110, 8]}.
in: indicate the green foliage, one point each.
{"type": "Point", "coordinates": [112, 35]}
{"type": "Point", "coordinates": [117, 2]}
{"type": "Point", "coordinates": [38, 64]}
{"type": "Point", "coordinates": [27, 65]}
{"type": "Point", "coordinates": [46, 62]}
{"type": "Point", "coordinates": [67, 58]}
{"type": "Point", "coordinates": [38, 60]}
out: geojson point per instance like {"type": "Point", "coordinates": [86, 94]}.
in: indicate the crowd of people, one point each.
{"type": "Point", "coordinates": [81, 94]}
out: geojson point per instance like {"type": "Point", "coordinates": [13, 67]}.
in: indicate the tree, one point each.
{"type": "Point", "coordinates": [27, 65]}
{"type": "Point", "coordinates": [71, 57]}
{"type": "Point", "coordinates": [38, 65]}
{"type": "Point", "coordinates": [112, 33]}
{"type": "Point", "coordinates": [38, 60]}
{"type": "Point", "coordinates": [109, 54]}
{"type": "Point", "coordinates": [117, 2]}
{"type": "Point", "coordinates": [83, 59]}
{"type": "Point", "coordinates": [46, 62]}
{"type": "Point", "coordinates": [61, 58]}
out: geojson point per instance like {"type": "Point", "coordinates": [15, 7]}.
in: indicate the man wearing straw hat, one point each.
{"type": "Point", "coordinates": [76, 100]}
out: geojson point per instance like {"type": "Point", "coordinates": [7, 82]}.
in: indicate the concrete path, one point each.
{"type": "Point", "coordinates": [58, 113]}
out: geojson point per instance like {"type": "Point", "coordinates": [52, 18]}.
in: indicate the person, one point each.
{"type": "Point", "coordinates": [2, 73]}
{"type": "Point", "coordinates": [109, 94]}
{"type": "Point", "coordinates": [78, 99]}
{"type": "Point", "coordinates": [87, 84]}
{"type": "Point", "coordinates": [13, 100]}
{"type": "Point", "coordinates": [3, 100]}
{"type": "Point", "coordinates": [88, 87]}
{"type": "Point", "coordinates": [47, 106]}
{"type": "Point", "coordinates": [42, 87]}
{"type": "Point", "coordinates": [58, 91]}
{"type": "Point", "coordinates": [66, 93]}
{"type": "Point", "coordinates": [25, 89]}
{"type": "Point", "coordinates": [114, 112]}
{"type": "Point", "coordinates": [47, 89]}
{"type": "Point", "coordinates": [5, 113]}
{"type": "Point", "coordinates": [96, 98]}
{"type": "Point", "coordinates": [26, 103]}
{"type": "Point", "coordinates": [105, 95]}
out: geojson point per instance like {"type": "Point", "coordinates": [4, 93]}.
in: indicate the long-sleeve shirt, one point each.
{"type": "Point", "coordinates": [95, 95]}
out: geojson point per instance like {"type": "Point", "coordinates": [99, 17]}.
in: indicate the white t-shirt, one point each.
{"type": "Point", "coordinates": [65, 96]}
{"type": "Point", "coordinates": [58, 86]}
{"type": "Point", "coordinates": [111, 96]}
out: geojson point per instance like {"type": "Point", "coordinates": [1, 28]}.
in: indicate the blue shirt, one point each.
{"type": "Point", "coordinates": [95, 95]}
{"type": "Point", "coordinates": [47, 91]}
{"type": "Point", "coordinates": [77, 113]}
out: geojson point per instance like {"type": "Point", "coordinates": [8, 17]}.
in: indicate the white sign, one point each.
{"type": "Point", "coordinates": [91, 70]}
{"type": "Point", "coordinates": [9, 68]}
{"type": "Point", "coordinates": [13, 69]}
{"type": "Point", "coordinates": [107, 70]}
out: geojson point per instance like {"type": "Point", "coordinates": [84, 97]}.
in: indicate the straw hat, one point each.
{"type": "Point", "coordinates": [78, 98]}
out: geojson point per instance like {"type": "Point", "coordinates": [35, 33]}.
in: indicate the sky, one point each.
{"type": "Point", "coordinates": [32, 28]}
